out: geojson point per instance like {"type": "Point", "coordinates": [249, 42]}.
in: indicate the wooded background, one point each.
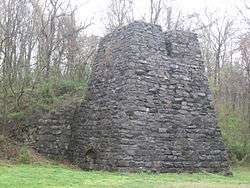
{"type": "Point", "coordinates": [46, 56]}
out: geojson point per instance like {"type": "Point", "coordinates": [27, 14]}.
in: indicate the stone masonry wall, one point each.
{"type": "Point", "coordinates": [149, 106]}
{"type": "Point", "coordinates": [50, 133]}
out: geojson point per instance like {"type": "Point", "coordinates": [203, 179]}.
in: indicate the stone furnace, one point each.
{"type": "Point", "coordinates": [149, 106]}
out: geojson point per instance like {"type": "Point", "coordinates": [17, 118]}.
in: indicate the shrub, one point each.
{"type": "Point", "coordinates": [67, 86]}
{"type": "Point", "coordinates": [45, 90]}
{"type": "Point", "coordinates": [48, 94]}
{"type": "Point", "coordinates": [17, 115]}
{"type": "Point", "coordinates": [24, 155]}
{"type": "Point", "coordinates": [234, 129]}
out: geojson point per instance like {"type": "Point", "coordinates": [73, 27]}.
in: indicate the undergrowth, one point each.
{"type": "Point", "coordinates": [235, 133]}
{"type": "Point", "coordinates": [47, 95]}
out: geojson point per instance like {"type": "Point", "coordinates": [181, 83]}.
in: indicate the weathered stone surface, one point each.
{"type": "Point", "coordinates": [149, 106]}
{"type": "Point", "coordinates": [50, 133]}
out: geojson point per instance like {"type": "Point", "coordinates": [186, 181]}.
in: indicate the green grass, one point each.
{"type": "Point", "coordinates": [51, 176]}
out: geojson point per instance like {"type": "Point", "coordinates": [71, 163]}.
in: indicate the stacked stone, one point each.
{"type": "Point", "coordinates": [52, 132]}
{"type": "Point", "coordinates": [149, 106]}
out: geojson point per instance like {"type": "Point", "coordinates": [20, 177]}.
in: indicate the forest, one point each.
{"type": "Point", "coordinates": [46, 55]}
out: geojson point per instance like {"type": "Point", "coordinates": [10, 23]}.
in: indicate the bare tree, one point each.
{"type": "Point", "coordinates": [165, 12]}
{"type": "Point", "coordinates": [40, 41]}
{"type": "Point", "coordinates": [245, 53]}
{"type": "Point", "coordinates": [155, 10]}
{"type": "Point", "coordinates": [15, 53]}
{"type": "Point", "coordinates": [215, 34]}
{"type": "Point", "coordinates": [120, 12]}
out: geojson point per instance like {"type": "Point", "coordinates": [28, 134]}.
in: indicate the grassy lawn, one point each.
{"type": "Point", "coordinates": [51, 176]}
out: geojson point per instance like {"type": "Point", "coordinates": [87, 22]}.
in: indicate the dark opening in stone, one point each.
{"type": "Point", "coordinates": [169, 48]}
{"type": "Point", "coordinates": [90, 157]}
